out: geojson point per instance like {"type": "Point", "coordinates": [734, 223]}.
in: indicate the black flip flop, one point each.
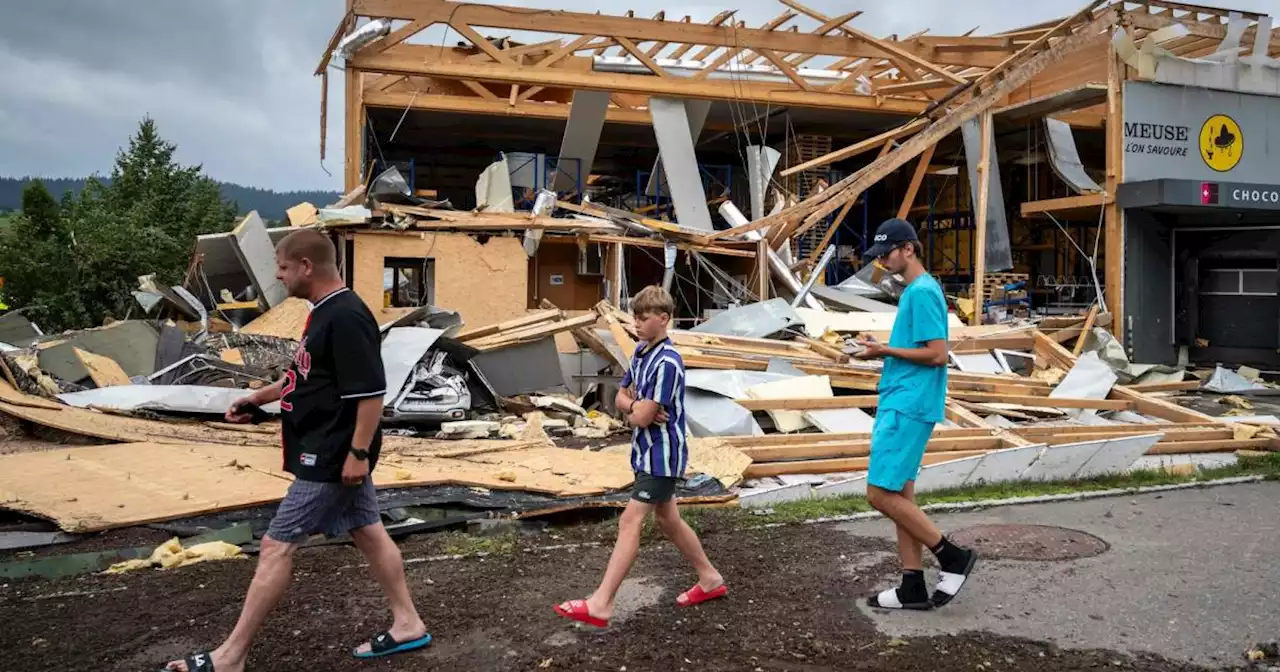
{"type": "Point", "coordinates": [197, 662]}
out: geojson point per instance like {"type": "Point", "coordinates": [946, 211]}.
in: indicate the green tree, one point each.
{"type": "Point", "coordinates": [76, 264]}
{"type": "Point", "coordinates": [39, 262]}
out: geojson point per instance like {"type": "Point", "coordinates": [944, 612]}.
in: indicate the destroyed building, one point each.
{"type": "Point", "coordinates": [1090, 191]}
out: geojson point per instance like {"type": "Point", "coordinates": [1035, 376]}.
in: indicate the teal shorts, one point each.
{"type": "Point", "coordinates": [897, 447]}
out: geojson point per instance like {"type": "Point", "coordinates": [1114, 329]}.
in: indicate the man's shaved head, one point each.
{"type": "Point", "coordinates": [305, 261]}
{"type": "Point", "coordinates": [309, 245]}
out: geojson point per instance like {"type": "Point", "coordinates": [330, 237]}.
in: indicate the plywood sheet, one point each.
{"type": "Point", "coordinates": [91, 488]}
{"type": "Point", "coordinates": [286, 320]}
{"type": "Point", "coordinates": [104, 371]}
{"type": "Point", "coordinates": [117, 427]}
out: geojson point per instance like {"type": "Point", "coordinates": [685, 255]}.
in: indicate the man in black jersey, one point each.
{"type": "Point", "coordinates": [330, 401]}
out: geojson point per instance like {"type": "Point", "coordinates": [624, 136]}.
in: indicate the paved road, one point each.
{"type": "Point", "coordinates": [1190, 574]}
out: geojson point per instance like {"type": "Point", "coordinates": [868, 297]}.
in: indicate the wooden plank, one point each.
{"type": "Point", "coordinates": [8, 375]}
{"type": "Point", "coordinates": [620, 335]}
{"type": "Point", "coordinates": [1183, 386]}
{"type": "Point", "coordinates": [762, 269]}
{"type": "Point", "coordinates": [1085, 330]}
{"type": "Point", "coordinates": [532, 334]}
{"type": "Point", "coordinates": [1113, 276]}
{"type": "Point", "coordinates": [1159, 408]}
{"type": "Point", "coordinates": [403, 60]}
{"type": "Point", "coordinates": [1044, 402]}
{"type": "Point", "coordinates": [892, 50]}
{"type": "Point", "coordinates": [1040, 431]}
{"type": "Point", "coordinates": [842, 464]}
{"type": "Point", "coordinates": [857, 148]}
{"type": "Point", "coordinates": [589, 338]}
{"type": "Point", "coordinates": [1069, 206]}
{"type": "Point", "coordinates": [1011, 387]}
{"type": "Point", "coordinates": [819, 451]}
{"type": "Point", "coordinates": [980, 219]}
{"type": "Point", "coordinates": [1053, 352]}
{"type": "Point", "coordinates": [829, 351]}
{"type": "Point", "coordinates": [922, 168]}
{"type": "Point", "coordinates": [962, 416]}
{"type": "Point", "coordinates": [510, 325]}
{"type": "Point", "coordinates": [1181, 436]}
{"type": "Point", "coordinates": [691, 247]}
{"type": "Point", "coordinates": [813, 404]}
{"type": "Point", "coordinates": [779, 440]}
{"type": "Point", "coordinates": [1224, 446]}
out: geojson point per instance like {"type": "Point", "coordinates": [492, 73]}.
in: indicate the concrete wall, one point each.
{"type": "Point", "coordinates": [485, 282]}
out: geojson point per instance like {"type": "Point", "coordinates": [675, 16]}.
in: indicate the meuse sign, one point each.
{"type": "Point", "coordinates": [1199, 134]}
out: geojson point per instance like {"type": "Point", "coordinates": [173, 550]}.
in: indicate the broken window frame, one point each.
{"type": "Point", "coordinates": [423, 286]}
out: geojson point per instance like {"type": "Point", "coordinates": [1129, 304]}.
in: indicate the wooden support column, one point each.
{"type": "Point", "coordinates": [922, 168]}
{"type": "Point", "coordinates": [980, 219]}
{"type": "Point", "coordinates": [762, 269]}
{"type": "Point", "coordinates": [353, 122]}
{"type": "Point", "coordinates": [1114, 216]}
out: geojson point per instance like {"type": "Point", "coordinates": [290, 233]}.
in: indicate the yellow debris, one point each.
{"type": "Point", "coordinates": [508, 476]}
{"type": "Point", "coordinates": [1237, 401]}
{"type": "Point", "coordinates": [171, 554]}
{"type": "Point", "coordinates": [402, 475]}
{"type": "Point", "coordinates": [127, 566]}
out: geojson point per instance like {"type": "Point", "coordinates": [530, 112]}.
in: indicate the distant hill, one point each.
{"type": "Point", "coordinates": [269, 204]}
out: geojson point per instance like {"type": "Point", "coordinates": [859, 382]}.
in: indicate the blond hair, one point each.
{"type": "Point", "coordinates": [653, 300]}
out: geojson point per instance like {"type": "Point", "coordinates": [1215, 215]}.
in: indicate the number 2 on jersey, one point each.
{"type": "Point", "coordinates": [290, 382]}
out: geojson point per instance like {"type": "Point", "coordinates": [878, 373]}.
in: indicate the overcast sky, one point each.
{"type": "Point", "coordinates": [230, 81]}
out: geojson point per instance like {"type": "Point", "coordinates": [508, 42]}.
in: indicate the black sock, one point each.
{"type": "Point", "coordinates": [951, 558]}
{"type": "Point", "coordinates": [913, 589]}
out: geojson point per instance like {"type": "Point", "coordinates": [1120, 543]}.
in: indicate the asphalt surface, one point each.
{"type": "Point", "coordinates": [1190, 575]}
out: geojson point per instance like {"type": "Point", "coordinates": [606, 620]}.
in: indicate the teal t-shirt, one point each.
{"type": "Point", "coordinates": [915, 390]}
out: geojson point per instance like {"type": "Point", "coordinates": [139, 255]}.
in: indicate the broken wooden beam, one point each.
{"type": "Point", "coordinates": [842, 464]}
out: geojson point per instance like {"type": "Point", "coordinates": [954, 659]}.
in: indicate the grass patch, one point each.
{"type": "Point", "coordinates": [1267, 465]}
{"type": "Point", "coordinates": [461, 543]}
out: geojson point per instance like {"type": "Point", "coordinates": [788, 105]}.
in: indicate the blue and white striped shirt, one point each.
{"type": "Point", "coordinates": [657, 374]}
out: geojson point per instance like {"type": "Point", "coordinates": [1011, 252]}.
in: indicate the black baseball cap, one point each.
{"type": "Point", "coordinates": [890, 234]}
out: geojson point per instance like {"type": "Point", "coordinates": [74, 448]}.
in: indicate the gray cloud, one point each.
{"type": "Point", "coordinates": [230, 81]}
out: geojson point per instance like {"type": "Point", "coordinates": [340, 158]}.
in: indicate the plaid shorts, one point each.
{"type": "Point", "coordinates": [331, 509]}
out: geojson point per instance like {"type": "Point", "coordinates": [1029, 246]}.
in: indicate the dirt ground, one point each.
{"type": "Point", "coordinates": [790, 607]}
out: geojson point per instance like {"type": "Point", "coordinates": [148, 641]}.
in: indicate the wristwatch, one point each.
{"type": "Point", "coordinates": [361, 455]}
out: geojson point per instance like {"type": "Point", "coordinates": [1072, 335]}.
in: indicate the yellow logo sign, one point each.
{"type": "Point", "coordinates": [1221, 143]}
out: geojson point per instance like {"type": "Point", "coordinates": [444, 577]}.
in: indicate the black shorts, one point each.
{"type": "Point", "coordinates": [650, 489]}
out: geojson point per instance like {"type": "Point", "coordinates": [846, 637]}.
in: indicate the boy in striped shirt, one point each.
{"type": "Point", "coordinates": [652, 397]}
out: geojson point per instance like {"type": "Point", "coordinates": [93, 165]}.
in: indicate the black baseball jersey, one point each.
{"type": "Point", "coordinates": [337, 364]}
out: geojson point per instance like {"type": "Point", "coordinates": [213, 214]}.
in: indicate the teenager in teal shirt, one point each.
{"type": "Point", "coordinates": [913, 390]}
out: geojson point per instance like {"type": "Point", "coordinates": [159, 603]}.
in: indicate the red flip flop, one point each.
{"type": "Point", "coordinates": [578, 611]}
{"type": "Point", "coordinates": [696, 595]}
